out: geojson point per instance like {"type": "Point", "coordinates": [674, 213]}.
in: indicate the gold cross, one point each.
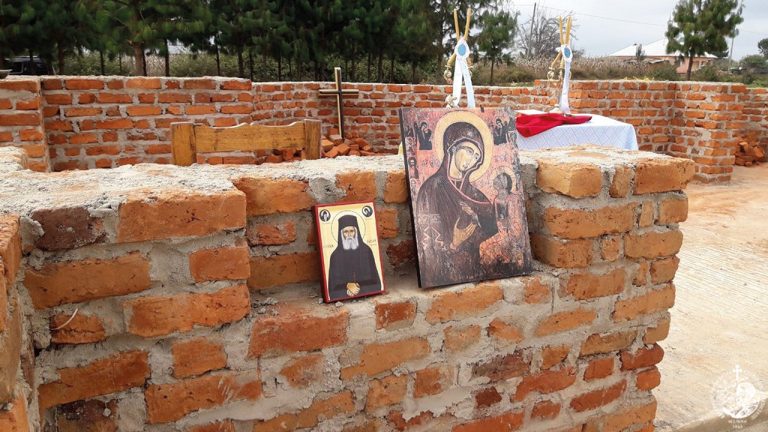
{"type": "Point", "coordinates": [339, 94]}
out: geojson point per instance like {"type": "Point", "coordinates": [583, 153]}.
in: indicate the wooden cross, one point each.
{"type": "Point", "coordinates": [339, 94]}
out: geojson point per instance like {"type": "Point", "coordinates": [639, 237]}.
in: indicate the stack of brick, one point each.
{"type": "Point", "coordinates": [187, 298]}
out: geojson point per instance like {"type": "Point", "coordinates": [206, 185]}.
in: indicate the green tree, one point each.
{"type": "Point", "coordinates": [763, 47]}
{"type": "Point", "coordinates": [754, 63]}
{"type": "Point", "coordinates": [414, 40]}
{"type": "Point", "coordinates": [497, 36]}
{"type": "Point", "coordinates": [699, 27]}
{"type": "Point", "coordinates": [16, 21]}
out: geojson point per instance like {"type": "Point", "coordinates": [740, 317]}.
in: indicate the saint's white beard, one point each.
{"type": "Point", "coordinates": [350, 243]}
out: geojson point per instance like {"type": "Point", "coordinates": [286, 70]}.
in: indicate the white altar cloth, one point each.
{"type": "Point", "coordinates": [599, 130]}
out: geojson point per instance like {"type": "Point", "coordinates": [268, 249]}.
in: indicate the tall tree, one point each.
{"type": "Point", "coordinates": [763, 47]}
{"type": "Point", "coordinates": [699, 27]}
{"type": "Point", "coordinates": [16, 19]}
{"type": "Point", "coordinates": [497, 36]}
{"type": "Point", "coordinates": [414, 36]}
{"type": "Point", "coordinates": [540, 36]}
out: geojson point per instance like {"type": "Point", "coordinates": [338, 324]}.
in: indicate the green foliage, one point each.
{"type": "Point", "coordinates": [497, 36]}
{"type": "Point", "coordinates": [763, 47]}
{"type": "Point", "coordinates": [754, 63]}
{"type": "Point", "coordinates": [700, 27]}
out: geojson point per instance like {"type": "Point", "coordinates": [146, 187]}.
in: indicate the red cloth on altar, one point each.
{"type": "Point", "coordinates": [532, 124]}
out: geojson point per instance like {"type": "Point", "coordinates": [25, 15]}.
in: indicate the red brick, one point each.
{"type": "Point", "coordinates": [664, 270]}
{"type": "Point", "coordinates": [271, 234]}
{"type": "Point", "coordinates": [611, 247]}
{"type": "Point", "coordinates": [386, 223]}
{"type": "Point", "coordinates": [487, 397]}
{"type": "Point", "coordinates": [102, 150]}
{"type": "Point", "coordinates": [658, 332]}
{"type": "Point", "coordinates": [120, 98]}
{"type": "Point", "coordinates": [653, 244]}
{"type": "Point", "coordinates": [649, 379]}
{"type": "Point", "coordinates": [565, 320]}
{"type": "Point", "coordinates": [174, 98]}
{"type": "Point", "coordinates": [673, 210]}
{"type": "Point", "coordinates": [184, 214]}
{"type": "Point", "coordinates": [389, 390]}
{"type": "Point", "coordinates": [60, 283]}
{"type": "Point", "coordinates": [506, 422]}
{"type": "Point", "coordinates": [25, 119]}
{"type": "Point", "coordinates": [553, 355]}
{"type": "Point", "coordinates": [10, 341]}
{"type": "Point", "coordinates": [504, 332]}
{"type": "Point", "coordinates": [199, 83]}
{"type": "Point", "coordinates": [197, 356]}
{"type": "Point", "coordinates": [291, 330]}
{"type": "Point", "coordinates": [465, 303]}
{"type": "Point", "coordinates": [401, 253]}
{"type": "Point", "coordinates": [582, 223]}
{"type": "Point", "coordinates": [81, 329]}
{"type": "Point", "coordinates": [622, 420]}
{"type": "Point", "coordinates": [83, 84]}
{"type": "Point", "coordinates": [236, 85]}
{"type": "Point", "coordinates": [170, 402]}
{"type": "Point", "coordinates": [379, 357]}
{"type": "Point", "coordinates": [161, 315]}
{"type": "Point", "coordinates": [358, 185]}
{"type": "Point", "coordinates": [546, 410]}
{"type": "Point", "coordinates": [653, 301]}
{"type": "Point", "coordinates": [224, 263]}
{"type": "Point", "coordinates": [396, 315]}
{"type": "Point", "coordinates": [267, 196]}
{"type": "Point", "coordinates": [142, 83]}
{"type": "Point", "coordinates": [576, 180]}
{"type": "Point", "coordinates": [101, 377]}
{"type": "Point", "coordinates": [30, 85]}
{"type": "Point", "coordinates": [662, 175]}
{"type": "Point", "coordinates": [222, 426]}
{"type": "Point", "coordinates": [545, 382]}
{"type": "Point", "coordinates": [459, 339]}
{"type": "Point", "coordinates": [585, 286]}
{"type": "Point", "coordinates": [561, 253]}
{"type": "Point", "coordinates": [15, 418]}
{"type": "Point", "coordinates": [431, 381]}
{"type": "Point", "coordinates": [396, 188]}
{"type": "Point", "coordinates": [642, 358]}
{"type": "Point", "coordinates": [303, 371]}
{"type": "Point", "coordinates": [139, 111]}
{"type": "Point", "coordinates": [599, 368]}
{"type": "Point", "coordinates": [598, 398]}
{"type": "Point", "coordinates": [503, 367]}
{"type": "Point", "coordinates": [87, 416]}
{"type": "Point", "coordinates": [536, 291]}
{"type": "Point", "coordinates": [267, 272]}
{"type": "Point", "coordinates": [10, 247]}
{"type": "Point", "coordinates": [321, 409]}
{"type": "Point", "coordinates": [82, 112]}
{"type": "Point", "coordinates": [28, 105]}
{"type": "Point", "coordinates": [599, 343]}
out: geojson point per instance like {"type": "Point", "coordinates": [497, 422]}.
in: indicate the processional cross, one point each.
{"type": "Point", "coordinates": [565, 57]}
{"type": "Point", "coordinates": [339, 94]}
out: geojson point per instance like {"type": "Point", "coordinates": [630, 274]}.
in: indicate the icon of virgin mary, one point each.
{"type": "Point", "coordinates": [457, 215]}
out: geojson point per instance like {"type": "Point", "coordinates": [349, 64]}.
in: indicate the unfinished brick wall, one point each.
{"type": "Point", "coordinates": [197, 298]}
{"type": "Point", "coordinates": [21, 120]}
{"type": "Point", "coordinates": [105, 122]}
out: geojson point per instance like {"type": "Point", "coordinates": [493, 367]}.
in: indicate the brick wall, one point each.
{"type": "Point", "coordinates": [187, 298]}
{"type": "Point", "coordinates": [103, 122]}
{"type": "Point", "coordinates": [21, 120]}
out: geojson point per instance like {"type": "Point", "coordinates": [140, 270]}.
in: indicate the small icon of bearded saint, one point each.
{"type": "Point", "coordinates": [352, 268]}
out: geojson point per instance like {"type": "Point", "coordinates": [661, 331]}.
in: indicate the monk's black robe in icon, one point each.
{"type": "Point", "coordinates": [352, 266]}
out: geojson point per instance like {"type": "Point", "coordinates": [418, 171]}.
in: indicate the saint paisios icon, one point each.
{"type": "Point", "coordinates": [738, 395]}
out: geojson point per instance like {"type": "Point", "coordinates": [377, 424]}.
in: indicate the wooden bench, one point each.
{"type": "Point", "coordinates": [188, 139]}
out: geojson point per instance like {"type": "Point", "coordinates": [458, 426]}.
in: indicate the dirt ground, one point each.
{"type": "Point", "coordinates": [720, 317]}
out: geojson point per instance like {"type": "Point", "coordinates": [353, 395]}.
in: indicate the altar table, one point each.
{"type": "Point", "coordinates": [602, 131]}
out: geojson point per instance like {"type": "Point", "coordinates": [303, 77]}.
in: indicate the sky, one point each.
{"type": "Point", "coordinates": [606, 26]}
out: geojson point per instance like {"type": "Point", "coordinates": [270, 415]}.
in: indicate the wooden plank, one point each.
{"type": "Point", "coordinates": [312, 138]}
{"type": "Point", "coordinates": [247, 137]}
{"type": "Point", "coordinates": [183, 143]}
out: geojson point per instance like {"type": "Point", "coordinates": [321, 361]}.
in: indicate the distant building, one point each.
{"type": "Point", "coordinates": [657, 52]}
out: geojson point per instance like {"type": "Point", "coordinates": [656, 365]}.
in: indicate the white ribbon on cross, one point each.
{"type": "Point", "coordinates": [567, 57]}
{"type": "Point", "coordinates": [461, 73]}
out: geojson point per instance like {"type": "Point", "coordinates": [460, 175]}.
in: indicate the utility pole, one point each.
{"type": "Point", "coordinates": [730, 54]}
{"type": "Point", "coordinates": [530, 39]}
